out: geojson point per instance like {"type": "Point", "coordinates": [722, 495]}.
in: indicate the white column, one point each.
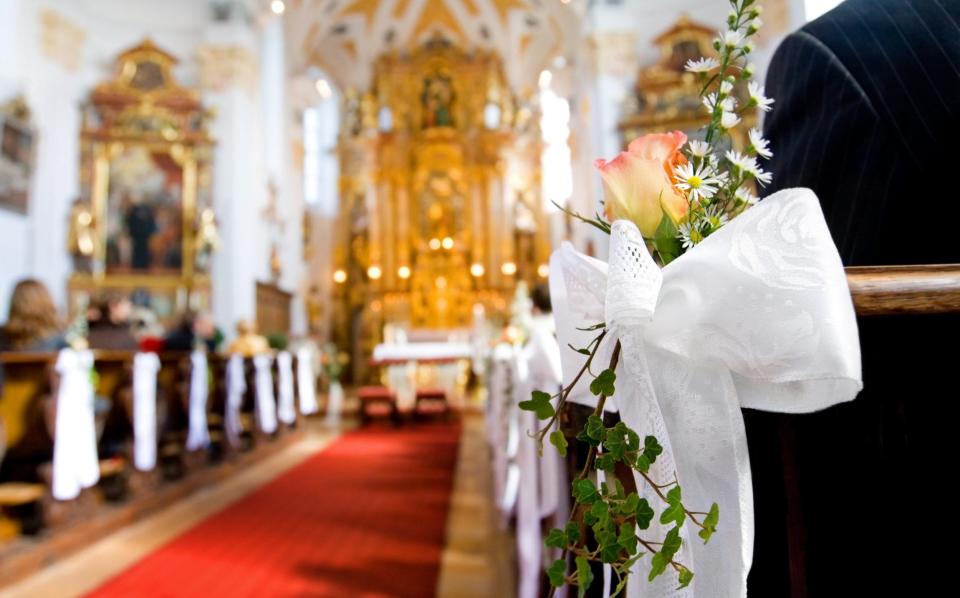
{"type": "Point", "coordinates": [229, 76]}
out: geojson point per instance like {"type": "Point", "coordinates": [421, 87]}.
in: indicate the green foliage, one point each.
{"type": "Point", "coordinates": [557, 573]}
{"type": "Point", "coordinates": [584, 575]}
{"type": "Point", "coordinates": [644, 514]}
{"type": "Point", "coordinates": [674, 511]}
{"type": "Point", "coordinates": [540, 404]}
{"type": "Point", "coordinates": [558, 440]}
{"type": "Point", "coordinates": [686, 576]}
{"type": "Point", "coordinates": [603, 384]}
{"type": "Point", "coordinates": [666, 242]}
{"type": "Point", "coordinates": [710, 523]}
{"type": "Point", "coordinates": [621, 440]}
{"type": "Point", "coordinates": [584, 492]}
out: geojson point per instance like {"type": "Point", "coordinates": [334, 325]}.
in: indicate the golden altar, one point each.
{"type": "Point", "coordinates": [440, 195]}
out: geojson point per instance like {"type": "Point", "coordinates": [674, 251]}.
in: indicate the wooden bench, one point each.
{"type": "Point", "coordinates": [430, 402]}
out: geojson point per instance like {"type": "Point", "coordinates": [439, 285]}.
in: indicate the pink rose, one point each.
{"type": "Point", "coordinates": [640, 182]}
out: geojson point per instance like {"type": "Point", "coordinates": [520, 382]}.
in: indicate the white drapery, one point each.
{"type": "Point", "coordinates": [266, 402]}
{"type": "Point", "coordinates": [286, 409]}
{"type": "Point", "coordinates": [306, 382]}
{"type": "Point", "coordinates": [198, 435]}
{"type": "Point", "coordinates": [236, 386]}
{"type": "Point", "coordinates": [758, 315]}
{"type": "Point", "coordinates": [145, 368]}
{"type": "Point", "coordinates": [75, 462]}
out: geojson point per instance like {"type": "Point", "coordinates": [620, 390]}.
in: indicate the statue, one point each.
{"type": "Point", "coordinates": [207, 239]}
{"type": "Point", "coordinates": [80, 242]}
{"type": "Point", "coordinates": [437, 101]}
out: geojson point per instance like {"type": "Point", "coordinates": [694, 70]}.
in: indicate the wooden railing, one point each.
{"type": "Point", "coordinates": [890, 290]}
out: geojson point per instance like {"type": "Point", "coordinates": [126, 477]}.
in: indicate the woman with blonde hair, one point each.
{"type": "Point", "coordinates": [33, 323]}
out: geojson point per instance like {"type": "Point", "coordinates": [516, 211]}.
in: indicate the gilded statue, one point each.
{"type": "Point", "coordinates": [80, 235]}
{"type": "Point", "coordinates": [437, 101]}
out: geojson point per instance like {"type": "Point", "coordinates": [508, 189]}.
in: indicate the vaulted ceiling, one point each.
{"type": "Point", "coordinates": [345, 37]}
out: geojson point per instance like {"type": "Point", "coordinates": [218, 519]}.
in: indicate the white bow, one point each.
{"type": "Point", "coordinates": [286, 409]}
{"type": "Point", "coordinates": [145, 367]}
{"type": "Point", "coordinates": [265, 400]}
{"type": "Point", "coordinates": [236, 386]}
{"type": "Point", "coordinates": [198, 435]}
{"type": "Point", "coordinates": [758, 315]}
{"type": "Point", "coordinates": [75, 462]}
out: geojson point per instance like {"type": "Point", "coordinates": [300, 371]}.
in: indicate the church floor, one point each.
{"type": "Point", "coordinates": [472, 563]}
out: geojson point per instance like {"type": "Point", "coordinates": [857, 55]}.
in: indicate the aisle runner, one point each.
{"type": "Point", "coordinates": [365, 517]}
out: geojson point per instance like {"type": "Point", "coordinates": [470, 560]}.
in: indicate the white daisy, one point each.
{"type": "Point", "coordinates": [698, 183]}
{"type": "Point", "coordinates": [710, 101]}
{"type": "Point", "coordinates": [744, 195]}
{"type": "Point", "coordinates": [740, 161]}
{"type": "Point", "coordinates": [731, 38]}
{"type": "Point", "coordinates": [715, 217]}
{"type": "Point", "coordinates": [689, 235]}
{"type": "Point", "coordinates": [726, 87]}
{"type": "Point", "coordinates": [749, 70]}
{"type": "Point", "coordinates": [756, 24]}
{"type": "Point", "coordinates": [763, 177]}
{"type": "Point", "coordinates": [729, 104]}
{"type": "Point", "coordinates": [729, 120]}
{"type": "Point", "coordinates": [698, 148]}
{"type": "Point", "coordinates": [759, 144]}
{"type": "Point", "coordinates": [757, 97]}
{"type": "Point", "coordinates": [748, 47]}
{"type": "Point", "coordinates": [704, 65]}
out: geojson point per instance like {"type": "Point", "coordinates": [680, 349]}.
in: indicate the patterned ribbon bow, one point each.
{"type": "Point", "coordinates": [758, 315]}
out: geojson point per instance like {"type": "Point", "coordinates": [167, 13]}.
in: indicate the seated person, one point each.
{"type": "Point", "coordinates": [112, 329]}
{"type": "Point", "coordinates": [192, 330]}
{"type": "Point", "coordinates": [33, 323]}
{"type": "Point", "coordinates": [248, 343]}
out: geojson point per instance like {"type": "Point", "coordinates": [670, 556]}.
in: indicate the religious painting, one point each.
{"type": "Point", "coordinates": [144, 213]}
{"type": "Point", "coordinates": [437, 99]}
{"type": "Point", "coordinates": [16, 156]}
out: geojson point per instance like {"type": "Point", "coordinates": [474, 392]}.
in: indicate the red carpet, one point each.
{"type": "Point", "coordinates": [365, 517]}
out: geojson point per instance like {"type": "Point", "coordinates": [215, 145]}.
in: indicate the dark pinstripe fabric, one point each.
{"type": "Point", "coordinates": [867, 114]}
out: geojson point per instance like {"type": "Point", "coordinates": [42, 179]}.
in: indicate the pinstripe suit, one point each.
{"type": "Point", "coordinates": [867, 114]}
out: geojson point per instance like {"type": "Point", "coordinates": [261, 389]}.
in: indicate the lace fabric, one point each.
{"type": "Point", "coordinates": [758, 315]}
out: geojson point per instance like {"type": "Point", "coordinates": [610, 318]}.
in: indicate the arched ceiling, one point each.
{"type": "Point", "coordinates": [345, 37]}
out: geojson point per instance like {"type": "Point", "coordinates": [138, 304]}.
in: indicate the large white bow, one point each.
{"type": "Point", "coordinates": [759, 315]}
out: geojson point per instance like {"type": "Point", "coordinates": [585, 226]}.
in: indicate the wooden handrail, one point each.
{"type": "Point", "coordinates": [889, 290]}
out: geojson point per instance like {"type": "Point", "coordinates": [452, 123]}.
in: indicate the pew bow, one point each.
{"type": "Point", "coordinates": [265, 399]}
{"type": "Point", "coordinates": [75, 462]}
{"type": "Point", "coordinates": [198, 435]}
{"type": "Point", "coordinates": [145, 368]}
{"type": "Point", "coordinates": [236, 387]}
{"type": "Point", "coordinates": [758, 315]}
{"type": "Point", "coordinates": [286, 409]}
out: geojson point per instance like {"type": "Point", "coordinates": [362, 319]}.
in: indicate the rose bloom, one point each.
{"type": "Point", "coordinates": [640, 182]}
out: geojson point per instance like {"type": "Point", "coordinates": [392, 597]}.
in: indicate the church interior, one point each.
{"type": "Point", "coordinates": [289, 254]}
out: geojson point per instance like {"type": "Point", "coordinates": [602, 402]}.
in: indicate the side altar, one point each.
{"type": "Point", "coordinates": [144, 224]}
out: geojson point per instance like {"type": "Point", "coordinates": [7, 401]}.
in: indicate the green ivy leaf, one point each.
{"type": "Point", "coordinates": [595, 429]}
{"type": "Point", "coordinates": [675, 495]}
{"type": "Point", "coordinates": [658, 564]}
{"type": "Point", "coordinates": [584, 492]}
{"type": "Point", "coordinates": [557, 573]}
{"type": "Point", "coordinates": [620, 440]}
{"type": "Point", "coordinates": [605, 462]}
{"type": "Point", "coordinates": [651, 448]}
{"type": "Point", "coordinates": [609, 546]}
{"type": "Point", "coordinates": [584, 576]}
{"type": "Point", "coordinates": [558, 440]}
{"type": "Point", "coordinates": [671, 543]}
{"type": "Point", "coordinates": [621, 493]}
{"type": "Point", "coordinates": [710, 523]}
{"type": "Point", "coordinates": [643, 463]}
{"type": "Point", "coordinates": [573, 532]}
{"type": "Point", "coordinates": [582, 351]}
{"type": "Point", "coordinates": [686, 576]}
{"type": "Point", "coordinates": [629, 506]}
{"type": "Point", "coordinates": [674, 512]}
{"type": "Point", "coordinates": [557, 538]}
{"type": "Point", "coordinates": [539, 403]}
{"type": "Point", "coordinates": [628, 538]}
{"type": "Point", "coordinates": [644, 514]}
{"type": "Point", "coordinates": [603, 384]}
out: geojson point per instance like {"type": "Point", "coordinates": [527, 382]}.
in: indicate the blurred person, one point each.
{"type": "Point", "coordinates": [33, 323]}
{"type": "Point", "coordinates": [113, 329]}
{"type": "Point", "coordinates": [192, 330]}
{"type": "Point", "coordinates": [867, 114]}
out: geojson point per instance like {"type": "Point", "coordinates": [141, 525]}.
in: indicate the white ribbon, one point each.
{"type": "Point", "coordinates": [306, 382]}
{"type": "Point", "coordinates": [75, 462]}
{"type": "Point", "coordinates": [198, 435]}
{"type": "Point", "coordinates": [759, 315]}
{"type": "Point", "coordinates": [266, 403]}
{"type": "Point", "coordinates": [286, 411]}
{"type": "Point", "coordinates": [145, 367]}
{"type": "Point", "coordinates": [236, 386]}
{"type": "Point", "coordinates": [334, 404]}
